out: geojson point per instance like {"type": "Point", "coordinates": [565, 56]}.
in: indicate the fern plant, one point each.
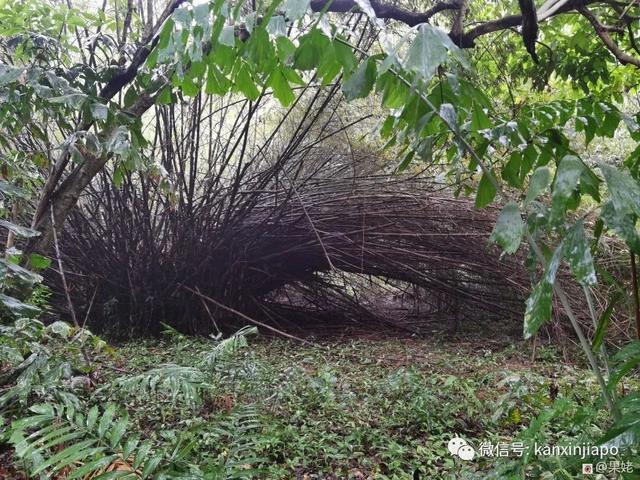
{"type": "Point", "coordinates": [228, 347]}
{"type": "Point", "coordinates": [179, 384]}
{"type": "Point", "coordinates": [167, 381]}
{"type": "Point", "coordinates": [59, 439]}
{"type": "Point", "coordinates": [60, 436]}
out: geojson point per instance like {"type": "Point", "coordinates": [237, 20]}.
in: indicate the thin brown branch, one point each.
{"type": "Point", "coordinates": [246, 317]}
{"type": "Point", "coordinates": [602, 32]}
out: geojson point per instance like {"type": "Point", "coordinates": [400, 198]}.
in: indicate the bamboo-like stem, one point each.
{"type": "Point", "coordinates": [636, 300]}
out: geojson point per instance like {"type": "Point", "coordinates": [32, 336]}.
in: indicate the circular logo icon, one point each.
{"type": "Point", "coordinates": [454, 445]}
{"type": "Point", "coordinates": [466, 452]}
{"type": "Point", "coordinates": [458, 447]}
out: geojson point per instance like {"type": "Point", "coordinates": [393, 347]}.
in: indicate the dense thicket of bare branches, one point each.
{"type": "Point", "coordinates": [266, 211]}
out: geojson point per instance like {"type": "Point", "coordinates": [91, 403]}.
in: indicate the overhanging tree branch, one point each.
{"type": "Point", "coordinates": [603, 32]}
{"type": "Point", "coordinates": [386, 11]}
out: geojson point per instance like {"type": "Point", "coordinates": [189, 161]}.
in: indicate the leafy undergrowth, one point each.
{"type": "Point", "coordinates": [376, 408]}
{"type": "Point", "coordinates": [184, 407]}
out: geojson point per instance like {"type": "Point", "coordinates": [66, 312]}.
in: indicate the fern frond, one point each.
{"type": "Point", "coordinates": [174, 382]}
{"type": "Point", "coordinates": [227, 347]}
{"type": "Point", "coordinates": [58, 438]}
{"type": "Point", "coordinates": [238, 434]}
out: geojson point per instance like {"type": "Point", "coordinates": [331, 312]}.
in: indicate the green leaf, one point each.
{"type": "Point", "coordinates": [567, 177]}
{"type": "Point", "coordinates": [578, 255]}
{"type": "Point", "coordinates": [554, 264]}
{"type": "Point", "coordinates": [511, 171]}
{"type": "Point", "coordinates": [60, 328]}
{"type": "Point", "coordinates": [479, 119]}
{"type": "Point", "coordinates": [115, 435]}
{"type": "Point", "coordinates": [92, 416]}
{"type": "Point", "coordinates": [141, 454]}
{"type": "Point", "coordinates": [345, 56]}
{"type": "Point", "coordinates": [68, 456]}
{"type": "Point", "coordinates": [99, 111]}
{"type": "Point", "coordinates": [361, 82]}
{"type": "Point", "coordinates": [280, 86]}
{"type": "Point", "coordinates": [20, 272]}
{"type": "Point", "coordinates": [509, 228]}
{"type": "Point", "coordinates": [93, 466]}
{"type": "Point", "coordinates": [129, 446]}
{"type": "Point", "coordinates": [295, 9]}
{"type": "Point", "coordinates": [590, 184]}
{"type": "Point", "coordinates": [540, 180]}
{"type": "Point", "coordinates": [105, 421]}
{"type": "Point", "coordinates": [428, 51]}
{"type": "Point", "coordinates": [151, 464]}
{"type": "Point", "coordinates": [625, 192]}
{"type": "Point", "coordinates": [217, 83]}
{"type": "Point", "coordinates": [189, 87]}
{"type": "Point", "coordinates": [449, 116]}
{"type": "Point", "coordinates": [538, 308]}
{"type": "Point", "coordinates": [245, 84]}
{"type": "Point", "coordinates": [17, 307]}
{"type": "Point", "coordinates": [329, 67]}
{"type": "Point", "coordinates": [9, 74]}
{"type": "Point", "coordinates": [12, 190]}
{"type": "Point", "coordinates": [623, 225]}
{"type": "Point", "coordinates": [165, 97]}
{"type": "Point", "coordinates": [626, 360]}
{"type": "Point", "coordinates": [394, 92]}
{"type": "Point", "coordinates": [227, 36]}
{"type": "Point", "coordinates": [406, 161]}
{"type": "Point", "coordinates": [19, 230]}
{"type": "Point", "coordinates": [486, 192]}
{"type": "Point", "coordinates": [118, 142]}
{"type": "Point", "coordinates": [39, 262]}
{"type": "Point", "coordinates": [261, 53]}
{"type": "Point", "coordinates": [73, 100]}
{"type": "Point", "coordinates": [285, 49]}
{"type": "Point", "coordinates": [312, 47]}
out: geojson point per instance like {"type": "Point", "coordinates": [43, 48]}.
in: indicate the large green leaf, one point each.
{"type": "Point", "coordinates": [18, 307]}
{"type": "Point", "coordinates": [20, 272]}
{"type": "Point", "coordinates": [280, 86]}
{"type": "Point", "coordinates": [625, 192]}
{"type": "Point", "coordinates": [312, 47]}
{"type": "Point", "coordinates": [509, 228]}
{"type": "Point", "coordinates": [295, 9]}
{"type": "Point", "coordinates": [361, 82]}
{"type": "Point", "coordinates": [428, 50]}
{"type": "Point", "coordinates": [578, 254]}
{"type": "Point", "coordinates": [604, 320]}
{"type": "Point", "coordinates": [625, 361]}
{"type": "Point", "coordinates": [344, 55]}
{"type": "Point", "coordinates": [539, 182]}
{"type": "Point", "coordinates": [19, 230]}
{"type": "Point", "coordinates": [567, 177]}
{"type": "Point", "coordinates": [538, 305]}
{"type": "Point", "coordinates": [486, 192]}
{"type": "Point", "coordinates": [479, 119]}
{"type": "Point", "coordinates": [623, 225]}
{"type": "Point", "coordinates": [217, 83]}
{"type": "Point", "coordinates": [244, 84]}
{"type": "Point", "coordinates": [538, 308]}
